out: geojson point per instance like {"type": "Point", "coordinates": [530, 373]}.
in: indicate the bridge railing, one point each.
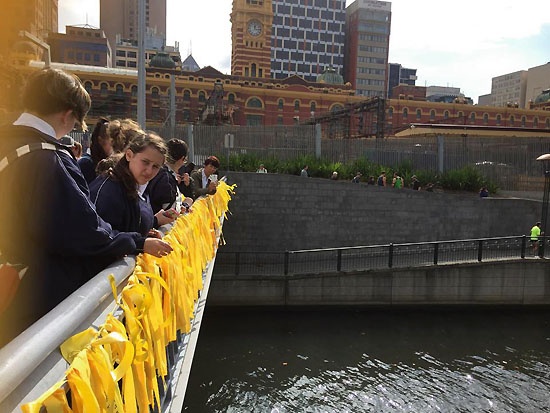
{"type": "Point", "coordinates": [372, 257]}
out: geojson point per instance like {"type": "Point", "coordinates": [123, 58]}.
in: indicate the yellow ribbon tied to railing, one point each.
{"type": "Point", "coordinates": [116, 368]}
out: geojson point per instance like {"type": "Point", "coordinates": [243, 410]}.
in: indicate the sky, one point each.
{"type": "Point", "coordinates": [462, 44]}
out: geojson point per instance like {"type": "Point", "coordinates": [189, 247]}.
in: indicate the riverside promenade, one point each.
{"type": "Point", "coordinates": [274, 213]}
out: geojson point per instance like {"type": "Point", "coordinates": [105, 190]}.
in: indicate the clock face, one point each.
{"type": "Point", "coordinates": [254, 28]}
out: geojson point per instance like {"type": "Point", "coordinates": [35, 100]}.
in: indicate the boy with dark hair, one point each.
{"type": "Point", "coordinates": [205, 179]}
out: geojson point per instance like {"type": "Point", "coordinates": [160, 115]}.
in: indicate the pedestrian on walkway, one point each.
{"type": "Point", "coordinates": [535, 234]}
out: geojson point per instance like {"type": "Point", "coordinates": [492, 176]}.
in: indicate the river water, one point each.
{"type": "Point", "coordinates": [444, 360]}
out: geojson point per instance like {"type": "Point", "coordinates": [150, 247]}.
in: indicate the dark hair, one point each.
{"type": "Point", "coordinates": [50, 91]}
{"type": "Point", "coordinates": [212, 160]}
{"type": "Point", "coordinates": [177, 149]}
{"type": "Point", "coordinates": [121, 171]}
{"type": "Point", "coordinates": [99, 132]}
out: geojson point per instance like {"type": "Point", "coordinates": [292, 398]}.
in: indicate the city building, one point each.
{"type": "Point", "coordinates": [307, 38]}
{"type": "Point", "coordinates": [127, 52]}
{"type": "Point", "coordinates": [251, 25]}
{"type": "Point", "coordinates": [509, 89]}
{"type": "Point", "coordinates": [399, 75]}
{"type": "Point", "coordinates": [538, 81]}
{"type": "Point", "coordinates": [83, 45]}
{"type": "Point", "coordinates": [368, 24]}
{"type": "Point", "coordinates": [38, 17]}
{"type": "Point", "coordinates": [446, 94]}
{"type": "Point", "coordinates": [485, 100]}
{"type": "Point", "coordinates": [119, 19]}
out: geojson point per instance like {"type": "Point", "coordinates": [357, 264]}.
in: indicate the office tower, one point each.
{"type": "Point", "coordinates": [82, 45]}
{"type": "Point", "coordinates": [399, 75]}
{"type": "Point", "coordinates": [38, 17]}
{"type": "Point", "coordinates": [119, 20]}
{"type": "Point", "coordinates": [307, 38]}
{"type": "Point", "coordinates": [368, 24]}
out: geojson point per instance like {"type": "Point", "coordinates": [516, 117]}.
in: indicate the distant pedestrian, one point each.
{"type": "Point", "coordinates": [381, 179]}
{"type": "Point", "coordinates": [357, 178]}
{"type": "Point", "coordinates": [334, 176]}
{"type": "Point", "coordinates": [535, 234]}
{"type": "Point", "coordinates": [304, 173]}
{"type": "Point", "coordinates": [415, 183]}
{"type": "Point", "coordinates": [483, 192]}
{"type": "Point", "coordinates": [397, 181]}
{"type": "Point", "coordinates": [371, 180]}
{"type": "Point", "coordinates": [261, 169]}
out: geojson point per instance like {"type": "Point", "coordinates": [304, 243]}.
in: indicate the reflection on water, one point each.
{"type": "Point", "coordinates": [372, 361]}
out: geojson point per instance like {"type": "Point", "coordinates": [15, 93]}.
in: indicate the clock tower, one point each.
{"type": "Point", "coordinates": [251, 22]}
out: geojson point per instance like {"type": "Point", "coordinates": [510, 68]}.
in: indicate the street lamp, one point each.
{"type": "Point", "coordinates": [544, 217]}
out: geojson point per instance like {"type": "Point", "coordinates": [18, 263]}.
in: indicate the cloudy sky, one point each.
{"type": "Point", "coordinates": [461, 44]}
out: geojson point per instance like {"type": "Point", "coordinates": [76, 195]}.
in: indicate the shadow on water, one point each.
{"type": "Point", "coordinates": [350, 360]}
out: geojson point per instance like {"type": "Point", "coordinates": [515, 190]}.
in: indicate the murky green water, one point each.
{"type": "Point", "coordinates": [372, 361]}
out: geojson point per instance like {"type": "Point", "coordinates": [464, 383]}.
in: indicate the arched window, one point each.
{"type": "Point", "coordinates": [405, 113]}
{"type": "Point", "coordinates": [231, 98]}
{"type": "Point", "coordinates": [186, 115]}
{"type": "Point", "coordinates": [254, 103]}
{"type": "Point", "coordinates": [547, 123]}
{"type": "Point", "coordinates": [512, 120]}
{"type": "Point", "coordinates": [103, 89]}
{"type": "Point", "coordinates": [485, 119]}
{"type": "Point", "coordinates": [523, 121]}
{"type": "Point", "coordinates": [280, 104]}
{"type": "Point", "coordinates": [202, 96]}
{"type": "Point", "coordinates": [499, 120]}
{"type": "Point", "coordinates": [390, 112]}
{"type": "Point", "coordinates": [296, 105]}
{"type": "Point", "coordinates": [472, 117]}
{"type": "Point", "coordinates": [134, 91]}
{"type": "Point", "coordinates": [119, 90]}
{"type": "Point", "coordinates": [446, 114]}
{"type": "Point", "coordinates": [155, 93]}
{"type": "Point", "coordinates": [432, 115]}
{"type": "Point", "coordinates": [312, 107]}
{"type": "Point", "coordinates": [253, 70]}
{"type": "Point", "coordinates": [460, 115]}
{"type": "Point", "coordinates": [535, 122]}
{"type": "Point", "coordinates": [186, 95]}
{"type": "Point", "coordinates": [418, 114]}
{"type": "Point", "coordinates": [88, 87]}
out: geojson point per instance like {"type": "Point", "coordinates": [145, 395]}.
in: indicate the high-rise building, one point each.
{"type": "Point", "coordinates": [83, 45]}
{"type": "Point", "coordinates": [119, 19]}
{"type": "Point", "coordinates": [368, 26]}
{"type": "Point", "coordinates": [509, 89]}
{"type": "Point", "coordinates": [307, 38]}
{"type": "Point", "coordinates": [399, 75]}
{"type": "Point", "coordinates": [38, 17]}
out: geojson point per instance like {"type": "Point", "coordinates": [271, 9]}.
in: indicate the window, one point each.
{"type": "Point", "coordinates": [103, 89]}
{"type": "Point", "coordinates": [202, 96]}
{"type": "Point", "coordinates": [186, 95]}
{"type": "Point", "coordinates": [523, 121]}
{"type": "Point", "coordinates": [405, 113]}
{"type": "Point", "coordinates": [432, 115]}
{"type": "Point", "coordinates": [446, 115]}
{"type": "Point", "coordinates": [485, 119]}
{"type": "Point", "coordinates": [155, 93]}
{"type": "Point", "coordinates": [119, 90]}
{"type": "Point", "coordinates": [280, 104]}
{"type": "Point", "coordinates": [535, 122]}
{"type": "Point", "coordinates": [88, 87]}
{"type": "Point", "coordinates": [418, 114]}
{"type": "Point", "coordinates": [312, 107]}
{"type": "Point", "coordinates": [134, 90]}
{"type": "Point", "coordinates": [512, 120]}
{"type": "Point", "coordinates": [254, 103]}
{"type": "Point", "coordinates": [472, 117]}
{"type": "Point", "coordinates": [231, 99]}
{"type": "Point", "coordinates": [499, 119]}
{"type": "Point", "coordinates": [296, 105]}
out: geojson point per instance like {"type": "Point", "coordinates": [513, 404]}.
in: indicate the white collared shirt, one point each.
{"type": "Point", "coordinates": [32, 121]}
{"type": "Point", "coordinates": [204, 179]}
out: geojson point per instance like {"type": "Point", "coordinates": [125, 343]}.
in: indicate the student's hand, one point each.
{"type": "Point", "coordinates": [157, 247]}
{"type": "Point", "coordinates": [165, 217]}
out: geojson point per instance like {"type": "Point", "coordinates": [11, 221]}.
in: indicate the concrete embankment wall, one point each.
{"type": "Point", "coordinates": [522, 282]}
{"type": "Point", "coordinates": [273, 212]}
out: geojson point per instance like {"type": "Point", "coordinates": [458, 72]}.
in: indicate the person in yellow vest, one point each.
{"type": "Point", "coordinates": [535, 234]}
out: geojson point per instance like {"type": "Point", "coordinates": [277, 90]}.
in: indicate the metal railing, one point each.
{"type": "Point", "coordinates": [373, 257]}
